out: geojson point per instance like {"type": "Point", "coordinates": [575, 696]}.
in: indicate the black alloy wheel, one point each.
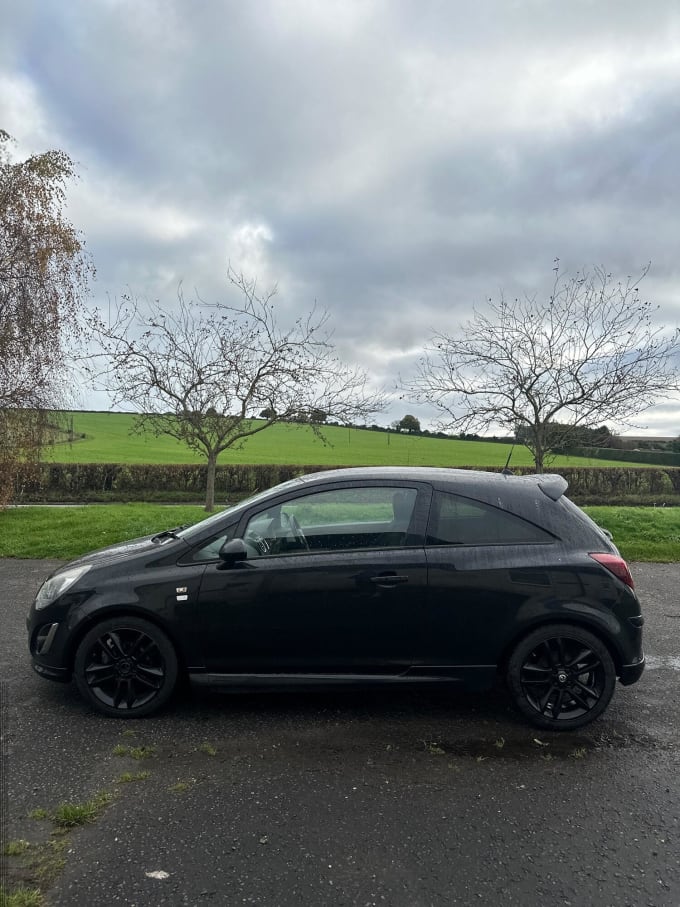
{"type": "Point", "coordinates": [561, 677]}
{"type": "Point", "coordinates": [126, 667]}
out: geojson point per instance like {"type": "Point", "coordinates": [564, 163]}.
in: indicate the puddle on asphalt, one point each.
{"type": "Point", "coordinates": [546, 746]}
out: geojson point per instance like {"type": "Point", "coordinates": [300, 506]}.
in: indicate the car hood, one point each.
{"type": "Point", "coordinates": [127, 549]}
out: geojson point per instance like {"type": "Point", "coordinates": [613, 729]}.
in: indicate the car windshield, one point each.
{"type": "Point", "coordinates": [199, 528]}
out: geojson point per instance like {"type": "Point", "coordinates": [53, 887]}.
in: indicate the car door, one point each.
{"type": "Point", "coordinates": [334, 583]}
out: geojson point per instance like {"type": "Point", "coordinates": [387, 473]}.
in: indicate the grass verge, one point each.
{"type": "Point", "coordinates": [66, 532]}
{"type": "Point", "coordinates": [642, 533]}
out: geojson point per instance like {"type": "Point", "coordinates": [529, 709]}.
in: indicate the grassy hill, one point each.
{"type": "Point", "coordinates": [108, 439]}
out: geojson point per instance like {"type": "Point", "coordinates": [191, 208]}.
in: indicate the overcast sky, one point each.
{"type": "Point", "coordinates": [398, 161]}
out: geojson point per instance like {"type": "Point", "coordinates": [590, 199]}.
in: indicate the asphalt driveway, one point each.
{"type": "Point", "coordinates": [387, 798]}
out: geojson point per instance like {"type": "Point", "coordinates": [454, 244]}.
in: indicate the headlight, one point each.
{"type": "Point", "coordinates": [57, 585]}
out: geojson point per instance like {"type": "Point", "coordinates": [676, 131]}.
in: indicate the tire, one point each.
{"type": "Point", "coordinates": [126, 667]}
{"type": "Point", "coordinates": [561, 677]}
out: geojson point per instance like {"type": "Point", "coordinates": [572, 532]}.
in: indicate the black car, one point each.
{"type": "Point", "coordinates": [356, 576]}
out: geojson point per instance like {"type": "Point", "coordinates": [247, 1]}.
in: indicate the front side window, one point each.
{"type": "Point", "coordinates": [461, 521]}
{"type": "Point", "coordinates": [210, 548]}
{"type": "Point", "coordinates": [336, 520]}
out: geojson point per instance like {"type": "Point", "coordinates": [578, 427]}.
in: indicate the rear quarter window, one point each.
{"type": "Point", "coordinates": [589, 532]}
{"type": "Point", "coordinates": [455, 520]}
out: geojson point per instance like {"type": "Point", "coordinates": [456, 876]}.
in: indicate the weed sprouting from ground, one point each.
{"type": "Point", "coordinates": [208, 749]}
{"type": "Point", "coordinates": [134, 752]}
{"type": "Point", "coordinates": [39, 813]}
{"type": "Point", "coordinates": [70, 815]}
{"type": "Point", "coordinates": [434, 748]}
{"type": "Point", "coordinates": [15, 848]}
{"type": "Point", "coordinates": [21, 897]}
{"type": "Point", "coordinates": [131, 777]}
{"type": "Point", "coordinates": [181, 786]}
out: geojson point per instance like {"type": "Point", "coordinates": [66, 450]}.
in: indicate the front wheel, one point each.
{"type": "Point", "coordinates": [561, 677]}
{"type": "Point", "coordinates": [126, 667]}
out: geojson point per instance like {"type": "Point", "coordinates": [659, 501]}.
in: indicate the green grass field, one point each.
{"type": "Point", "coordinates": [641, 533]}
{"type": "Point", "coordinates": [109, 440]}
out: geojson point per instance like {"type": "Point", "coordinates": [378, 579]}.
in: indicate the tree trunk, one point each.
{"type": "Point", "coordinates": [537, 447]}
{"type": "Point", "coordinates": [210, 483]}
{"type": "Point", "coordinates": [539, 453]}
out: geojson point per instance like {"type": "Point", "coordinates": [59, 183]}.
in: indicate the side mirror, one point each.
{"type": "Point", "coordinates": [232, 552]}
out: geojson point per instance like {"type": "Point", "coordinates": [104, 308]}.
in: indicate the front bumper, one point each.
{"type": "Point", "coordinates": [51, 673]}
{"type": "Point", "coordinates": [46, 650]}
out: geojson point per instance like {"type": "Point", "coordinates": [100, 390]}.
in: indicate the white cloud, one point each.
{"type": "Point", "coordinates": [315, 18]}
{"type": "Point", "coordinates": [22, 116]}
{"type": "Point", "coordinates": [246, 245]}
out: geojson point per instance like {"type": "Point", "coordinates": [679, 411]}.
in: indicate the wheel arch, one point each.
{"type": "Point", "coordinates": [582, 622]}
{"type": "Point", "coordinates": [112, 612]}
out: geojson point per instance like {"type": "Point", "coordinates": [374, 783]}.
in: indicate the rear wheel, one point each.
{"type": "Point", "coordinates": [126, 667]}
{"type": "Point", "coordinates": [561, 677]}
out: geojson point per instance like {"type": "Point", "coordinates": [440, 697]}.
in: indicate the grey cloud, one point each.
{"type": "Point", "coordinates": [404, 159]}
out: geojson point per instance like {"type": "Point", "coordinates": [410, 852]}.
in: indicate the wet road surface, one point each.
{"type": "Point", "coordinates": [389, 797]}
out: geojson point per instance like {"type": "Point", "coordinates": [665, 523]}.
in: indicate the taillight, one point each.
{"type": "Point", "coordinates": [615, 565]}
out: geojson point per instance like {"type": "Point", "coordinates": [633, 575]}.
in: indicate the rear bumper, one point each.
{"type": "Point", "coordinates": [632, 673]}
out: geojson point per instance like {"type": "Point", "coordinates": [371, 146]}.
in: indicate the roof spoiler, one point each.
{"type": "Point", "coordinates": [553, 486]}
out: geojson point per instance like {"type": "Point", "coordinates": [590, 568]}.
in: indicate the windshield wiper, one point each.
{"type": "Point", "coordinates": [168, 534]}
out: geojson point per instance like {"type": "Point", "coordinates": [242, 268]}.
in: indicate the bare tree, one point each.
{"type": "Point", "coordinates": [44, 274]}
{"type": "Point", "coordinates": [203, 373]}
{"type": "Point", "coordinates": [589, 353]}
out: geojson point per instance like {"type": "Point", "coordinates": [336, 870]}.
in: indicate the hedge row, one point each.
{"type": "Point", "coordinates": [618, 482]}
{"type": "Point", "coordinates": [113, 481]}
{"type": "Point", "coordinates": [80, 480]}
{"type": "Point", "coordinates": [654, 457]}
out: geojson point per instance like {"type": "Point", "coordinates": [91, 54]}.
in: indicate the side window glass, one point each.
{"type": "Point", "coordinates": [268, 532]}
{"type": "Point", "coordinates": [209, 550]}
{"type": "Point", "coordinates": [460, 521]}
{"type": "Point", "coordinates": [335, 520]}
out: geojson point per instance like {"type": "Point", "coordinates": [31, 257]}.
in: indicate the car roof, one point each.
{"type": "Point", "coordinates": [552, 485]}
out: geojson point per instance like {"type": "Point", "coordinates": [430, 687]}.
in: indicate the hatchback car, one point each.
{"type": "Point", "coordinates": [356, 576]}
